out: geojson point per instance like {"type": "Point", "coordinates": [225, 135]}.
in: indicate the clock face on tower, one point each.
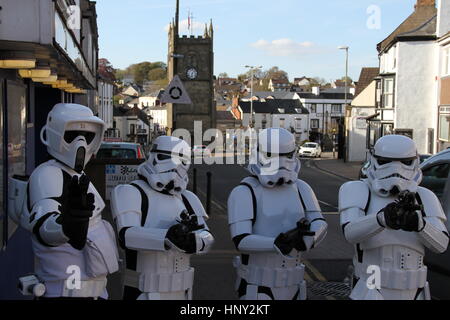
{"type": "Point", "coordinates": [191, 73]}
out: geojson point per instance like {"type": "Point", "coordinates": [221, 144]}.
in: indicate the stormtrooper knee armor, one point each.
{"type": "Point", "coordinates": [161, 225]}
{"type": "Point", "coordinates": [390, 220]}
{"type": "Point", "coordinates": [274, 217]}
{"type": "Point", "coordinates": [62, 209]}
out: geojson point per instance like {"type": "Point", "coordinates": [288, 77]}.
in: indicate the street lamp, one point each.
{"type": "Point", "coordinates": [346, 93]}
{"type": "Point", "coordinates": [346, 70]}
{"type": "Point", "coordinates": [252, 70]}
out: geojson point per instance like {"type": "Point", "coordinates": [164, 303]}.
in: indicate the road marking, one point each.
{"type": "Point", "coordinates": [328, 205]}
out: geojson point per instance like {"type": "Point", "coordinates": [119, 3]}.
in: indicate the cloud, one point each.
{"type": "Point", "coordinates": [286, 47]}
{"type": "Point", "coordinates": [195, 25]}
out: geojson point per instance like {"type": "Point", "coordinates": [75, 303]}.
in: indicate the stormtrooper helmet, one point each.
{"type": "Point", "coordinates": [276, 161]}
{"type": "Point", "coordinates": [167, 168]}
{"type": "Point", "coordinates": [394, 166]}
{"type": "Point", "coordinates": [72, 134]}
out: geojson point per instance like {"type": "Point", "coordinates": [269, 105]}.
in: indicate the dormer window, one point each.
{"type": "Point", "coordinates": [280, 110]}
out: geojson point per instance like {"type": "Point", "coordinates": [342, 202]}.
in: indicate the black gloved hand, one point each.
{"type": "Point", "coordinates": [410, 221]}
{"type": "Point", "coordinates": [391, 216]}
{"type": "Point", "coordinates": [76, 211]}
{"type": "Point", "coordinates": [182, 238]}
{"type": "Point", "coordinates": [284, 244]}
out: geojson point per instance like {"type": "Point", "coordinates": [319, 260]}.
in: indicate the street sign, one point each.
{"type": "Point", "coordinates": [119, 174]}
{"type": "Point", "coordinates": [176, 93]}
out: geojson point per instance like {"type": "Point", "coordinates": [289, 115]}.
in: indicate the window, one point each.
{"type": "Point", "coordinates": [298, 124]}
{"type": "Point", "coordinates": [336, 108]}
{"type": "Point", "coordinates": [132, 129]}
{"type": "Point", "coordinates": [444, 127]}
{"type": "Point", "coordinates": [435, 178]}
{"type": "Point", "coordinates": [314, 123]}
{"type": "Point", "coordinates": [313, 108]}
{"type": "Point", "coordinates": [447, 61]}
{"type": "Point", "coordinates": [388, 93]}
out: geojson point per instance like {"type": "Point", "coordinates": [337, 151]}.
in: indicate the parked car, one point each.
{"type": "Point", "coordinates": [201, 151]}
{"type": "Point", "coordinates": [310, 149]}
{"type": "Point", "coordinates": [436, 178]}
{"type": "Point", "coordinates": [120, 150]}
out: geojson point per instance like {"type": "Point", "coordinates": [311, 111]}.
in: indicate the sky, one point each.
{"type": "Point", "coordinates": [299, 36]}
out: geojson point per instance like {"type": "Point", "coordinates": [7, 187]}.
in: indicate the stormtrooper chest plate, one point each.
{"type": "Point", "coordinates": [278, 210]}
{"type": "Point", "coordinates": [163, 210]}
{"type": "Point", "coordinates": [390, 237]}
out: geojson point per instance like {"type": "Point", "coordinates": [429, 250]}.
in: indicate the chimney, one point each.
{"type": "Point", "coordinates": [316, 91]}
{"type": "Point", "coordinates": [425, 3]}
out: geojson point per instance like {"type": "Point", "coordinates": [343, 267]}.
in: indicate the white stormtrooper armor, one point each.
{"type": "Point", "coordinates": [263, 209]}
{"type": "Point", "coordinates": [148, 214]}
{"type": "Point", "coordinates": [63, 254]}
{"type": "Point", "coordinates": [388, 238]}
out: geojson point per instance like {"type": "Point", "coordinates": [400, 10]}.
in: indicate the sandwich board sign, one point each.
{"type": "Point", "coordinates": [176, 93]}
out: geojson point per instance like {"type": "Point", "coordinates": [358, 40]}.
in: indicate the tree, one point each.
{"type": "Point", "coordinates": [106, 69]}
{"type": "Point", "coordinates": [349, 80]}
{"type": "Point", "coordinates": [276, 73]}
{"type": "Point", "coordinates": [318, 81]}
{"type": "Point", "coordinates": [223, 75]}
{"type": "Point", "coordinates": [140, 71]}
{"type": "Point", "coordinates": [157, 74]}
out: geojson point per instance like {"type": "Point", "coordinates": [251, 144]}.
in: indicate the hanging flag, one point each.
{"type": "Point", "coordinates": [189, 20]}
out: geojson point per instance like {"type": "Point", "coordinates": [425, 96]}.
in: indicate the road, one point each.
{"type": "Point", "coordinates": [327, 264]}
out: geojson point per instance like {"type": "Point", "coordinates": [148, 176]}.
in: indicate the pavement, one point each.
{"type": "Point", "coordinates": [345, 170]}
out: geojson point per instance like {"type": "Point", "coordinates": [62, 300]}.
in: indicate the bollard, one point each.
{"type": "Point", "coordinates": [194, 181]}
{"type": "Point", "coordinates": [208, 193]}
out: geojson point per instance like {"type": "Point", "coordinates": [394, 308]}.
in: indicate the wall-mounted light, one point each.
{"type": "Point", "coordinates": [35, 73]}
{"type": "Point", "coordinates": [52, 79]}
{"type": "Point", "coordinates": [17, 64]}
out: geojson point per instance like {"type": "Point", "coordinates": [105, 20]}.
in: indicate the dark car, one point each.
{"type": "Point", "coordinates": [120, 150]}
{"type": "Point", "coordinates": [436, 178]}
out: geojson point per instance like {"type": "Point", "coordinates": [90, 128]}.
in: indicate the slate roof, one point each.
{"type": "Point", "coordinates": [421, 15]}
{"type": "Point", "coordinates": [365, 79]}
{"type": "Point", "coordinates": [123, 111]}
{"type": "Point", "coordinates": [325, 95]}
{"type": "Point", "coordinates": [273, 106]}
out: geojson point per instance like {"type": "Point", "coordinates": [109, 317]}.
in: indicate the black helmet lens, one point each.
{"type": "Point", "coordinates": [70, 136]}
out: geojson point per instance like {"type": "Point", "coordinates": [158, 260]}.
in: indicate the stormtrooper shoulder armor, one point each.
{"type": "Point", "coordinates": [126, 205]}
{"type": "Point", "coordinates": [46, 182]}
{"type": "Point", "coordinates": [354, 194]}
{"type": "Point", "coordinates": [308, 196]}
{"type": "Point", "coordinates": [242, 202]}
{"type": "Point", "coordinates": [195, 203]}
{"type": "Point", "coordinates": [431, 204]}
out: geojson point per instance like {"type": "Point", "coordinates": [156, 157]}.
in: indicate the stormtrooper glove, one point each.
{"type": "Point", "coordinates": [182, 239]}
{"type": "Point", "coordinates": [389, 217]}
{"type": "Point", "coordinates": [76, 212]}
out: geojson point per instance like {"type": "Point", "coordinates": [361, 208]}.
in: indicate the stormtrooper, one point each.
{"type": "Point", "coordinates": [390, 220]}
{"type": "Point", "coordinates": [74, 248]}
{"type": "Point", "coordinates": [274, 218]}
{"type": "Point", "coordinates": [161, 225]}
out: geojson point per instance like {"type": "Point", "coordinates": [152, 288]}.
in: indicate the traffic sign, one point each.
{"type": "Point", "coordinates": [176, 93]}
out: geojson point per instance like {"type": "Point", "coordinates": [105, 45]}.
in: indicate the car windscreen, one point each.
{"type": "Point", "coordinates": [310, 145]}
{"type": "Point", "coordinates": [116, 153]}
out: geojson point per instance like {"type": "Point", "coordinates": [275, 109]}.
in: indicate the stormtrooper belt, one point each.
{"type": "Point", "coordinates": [270, 277]}
{"type": "Point", "coordinates": [403, 279]}
{"type": "Point", "coordinates": [160, 282]}
{"type": "Point", "coordinates": [87, 289]}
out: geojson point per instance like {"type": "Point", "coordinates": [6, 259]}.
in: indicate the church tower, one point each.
{"type": "Point", "coordinates": [192, 59]}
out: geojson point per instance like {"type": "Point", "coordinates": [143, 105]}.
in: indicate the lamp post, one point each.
{"type": "Point", "coordinates": [346, 95]}
{"type": "Point", "coordinates": [252, 71]}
